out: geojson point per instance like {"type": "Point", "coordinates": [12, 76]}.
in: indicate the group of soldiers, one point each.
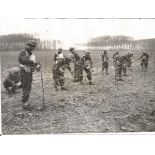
{"type": "Point", "coordinates": [62, 62]}
{"type": "Point", "coordinates": [22, 77]}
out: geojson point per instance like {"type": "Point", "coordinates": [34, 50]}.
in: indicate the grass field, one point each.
{"type": "Point", "coordinates": [104, 107]}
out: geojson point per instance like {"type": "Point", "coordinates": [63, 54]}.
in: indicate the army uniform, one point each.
{"type": "Point", "coordinates": [105, 59]}
{"type": "Point", "coordinates": [86, 64]}
{"type": "Point", "coordinates": [128, 58]}
{"type": "Point", "coordinates": [58, 71]}
{"type": "Point", "coordinates": [27, 66]}
{"type": "Point", "coordinates": [144, 60]}
{"type": "Point", "coordinates": [13, 80]}
{"type": "Point", "coordinates": [127, 62]}
{"type": "Point", "coordinates": [76, 61]}
{"type": "Point", "coordinates": [120, 67]}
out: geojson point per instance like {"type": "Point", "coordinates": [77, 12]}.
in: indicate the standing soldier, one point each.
{"type": "Point", "coordinates": [86, 64]}
{"type": "Point", "coordinates": [129, 58]}
{"type": "Point", "coordinates": [27, 66]}
{"type": "Point", "coordinates": [58, 71]}
{"type": "Point", "coordinates": [144, 61]}
{"type": "Point", "coordinates": [13, 80]}
{"type": "Point", "coordinates": [119, 65]}
{"type": "Point", "coordinates": [105, 59]}
{"type": "Point", "coordinates": [115, 57]}
{"type": "Point", "coordinates": [58, 55]}
{"type": "Point", "coordinates": [76, 60]}
{"type": "Point", "coordinates": [128, 62]}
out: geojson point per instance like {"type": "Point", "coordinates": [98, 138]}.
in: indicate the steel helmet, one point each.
{"type": "Point", "coordinates": [71, 48]}
{"type": "Point", "coordinates": [87, 53]}
{"type": "Point", "coordinates": [14, 70]}
{"type": "Point", "coordinates": [32, 43]}
{"type": "Point", "coordinates": [59, 50]}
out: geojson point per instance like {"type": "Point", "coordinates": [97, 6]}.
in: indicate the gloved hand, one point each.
{"type": "Point", "coordinates": [92, 69]}
{"type": "Point", "coordinates": [72, 73]}
{"type": "Point", "coordinates": [17, 85]}
{"type": "Point", "coordinates": [38, 67]}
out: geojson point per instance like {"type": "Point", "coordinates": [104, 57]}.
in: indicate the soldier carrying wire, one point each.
{"type": "Point", "coordinates": [28, 65]}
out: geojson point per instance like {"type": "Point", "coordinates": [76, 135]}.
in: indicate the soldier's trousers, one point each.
{"type": "Point", "coordinates": [58, 79]}
{"type": "Point", "coordinates": [26, 80]}
{"type": "Point", "coordinates": [124, 70]}
{"type": "Point", "coordinates": [105, 66]}
{"type": "Point", "coordinates": [118, 71]}
{"type": "Point", "coordinates": [88, 72]}
{"type": "Point", "coordinates": [77, 70]}
{"type": "Point", "coordinates": [144, 64]}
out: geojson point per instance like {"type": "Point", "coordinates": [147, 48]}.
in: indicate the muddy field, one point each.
{"type": "Point", "coordinates": [106, 107]}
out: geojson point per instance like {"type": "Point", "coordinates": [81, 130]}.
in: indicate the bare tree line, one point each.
{"type": "Point", "coordinates": [15, 42]}
{"type": "Point", "coordinates": [120, 43]}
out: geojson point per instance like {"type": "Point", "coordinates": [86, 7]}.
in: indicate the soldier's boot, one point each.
{"type": "Point", "coordinates": [26, 106]}
{"type": "Point", "coordinates": [120, 79]}
{"type": "Point", "coordinates": [13, 90]}
{"type": "Point", "coordinates": [8, 90]}
{"type": "Point", "coordinates": [107, 72]}
{"type": "Point", "coordinates": [75, 80]}
{"type": "Point", "coordinates": [56, 87]}
{"type": "Point", "coordinates": [81, 82]}
{"type": "Point", "coordinates": [63, 88]}
{"type": "Point", "coordinates": [91, 83]}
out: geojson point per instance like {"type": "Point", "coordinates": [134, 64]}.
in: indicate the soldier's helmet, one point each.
{"type": "Point", "coordinates": [59, 50]}
{"type": "Point", "coordinates": [87, 53]}
{"type": "Point", "coordinates": [105, 51]}
{"type": "Point", "coordinates": [14, 70]}
{"type": "Point", "coordinates": [32, 43]}
{"type": "Point", "coordinates": [117, 52]}
{"type": "Point", "coordinates": [71, 48]}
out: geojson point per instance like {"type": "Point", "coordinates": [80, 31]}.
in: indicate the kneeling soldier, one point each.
{"type": "Point", "coordinates": [13, 80]}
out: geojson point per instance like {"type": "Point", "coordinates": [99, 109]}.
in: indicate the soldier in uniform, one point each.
{"type": "Point", "coordinates": [144, 61]}
{"type": "Point", "coordinates": [86, 64]}
{"type": "Point", "coordinates": [105, 59]}
{"type": "Point", "coordinates": [127, 62]}
{"type": "Point", "coordinates": [28, 64]}
{"type": "Point", "coordinates": [120, 63]}
{"type": "Point", "coordinates": [129, 58]}
{"type": "Point", "coordinates": [58, 71]}
{"type": "Point", "coordinates": [76, 60]}
{"type": "Point", "coordinates": [13, 80]}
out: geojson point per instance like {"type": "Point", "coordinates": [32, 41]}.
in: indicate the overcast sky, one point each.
{"type": "Point", "coordinates": [72, 31]}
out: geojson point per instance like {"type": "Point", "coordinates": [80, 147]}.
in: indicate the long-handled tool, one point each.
{"type": "Point", "coordinates": [42, 85]}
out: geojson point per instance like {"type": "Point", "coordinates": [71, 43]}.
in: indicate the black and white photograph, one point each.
{"type": "Point", "coordinates": [77, 75]}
